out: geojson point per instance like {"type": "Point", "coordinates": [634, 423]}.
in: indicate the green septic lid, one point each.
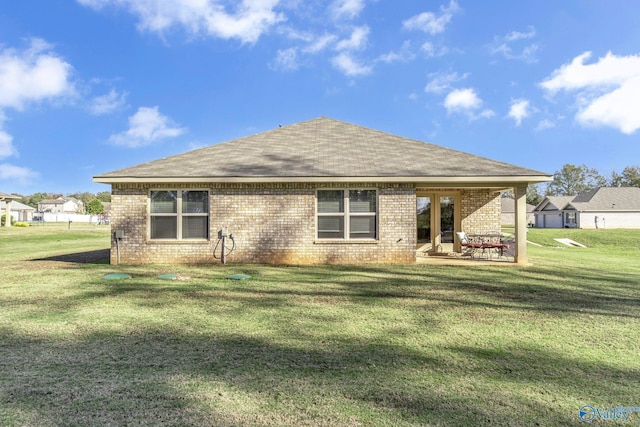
{"type": "Point", "coordinates": [167, 277]}
{"type": "Point", "coordinates": [116, 276]}
{"type": "Point", "coordinates": [239, 277]}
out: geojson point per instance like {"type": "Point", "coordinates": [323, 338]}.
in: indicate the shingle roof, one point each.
{"type": "Point", "coordinates": [509, 205]}
{"type": "Point", "coordinates": [321, 148]}
{"type": "Point", "coordinates": [608, 199]}
{"type": "Point", "coordinates": [554, 203]}
{"type": "Point", "coordinates": [16, 206]}
{"type": "Point", "coordinates": [8, 196]}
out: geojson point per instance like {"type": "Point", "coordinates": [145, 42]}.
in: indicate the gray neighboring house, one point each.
{"type": "Point", "coordinates": [509, 212]}
{"type": "Point", "coordinates": [604, 207]}
{"type": "Point", "coordinates": [319, 191]}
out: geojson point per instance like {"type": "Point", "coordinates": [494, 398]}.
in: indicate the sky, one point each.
{"type": "Point", "coordinates": [92, 86]}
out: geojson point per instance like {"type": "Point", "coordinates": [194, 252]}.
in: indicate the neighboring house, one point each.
{"type": "Point", "coordinates": [549, 212]}
{"type": "Point", "coordinates": [320, 191]}
{"type": "Point", "coordinates": [19, 211]}
{"type": "Point", "coordinates": [7, 202]}
{"type": "Point", "coordinates": [61, 205]}
{"type": "Point", "coordinates": [509, 212]}
{"type": "Point", "coordinates": [604, 207]}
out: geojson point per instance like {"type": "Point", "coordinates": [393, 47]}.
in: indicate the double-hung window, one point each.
{"type": "Point", "coordinates": [179, 214]}
{"type": "Point", "coordinates": [347, 214]}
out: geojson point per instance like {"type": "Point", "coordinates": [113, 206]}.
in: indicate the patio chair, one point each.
{"type": "Point", "coordinates": [470, 246]}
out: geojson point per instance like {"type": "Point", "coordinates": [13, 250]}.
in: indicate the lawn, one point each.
{"type": "Point", "coordinates": [336, 346]}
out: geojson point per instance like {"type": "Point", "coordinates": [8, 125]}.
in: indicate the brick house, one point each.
{"type": "Point", "coordinates": [319, 191]}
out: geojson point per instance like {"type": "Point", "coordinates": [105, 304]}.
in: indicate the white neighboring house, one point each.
{"type": "Point", "coordinates": [19, 211]}
{"type": "Point", "coordinates": [61, 205]}
{"type": "Point", "coordinates": [604, 207]}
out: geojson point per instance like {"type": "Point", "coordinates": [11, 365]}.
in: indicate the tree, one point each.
{"type": "Point", "coordinates": [533, 196]}
{"type": "Point", "coordinates": [572, 180]}
{"type": "Point", "coordinates": [86, 197]}
{"type": "Point", "coordinates": [95, 207]}
{"type": "Point", "coordinates": [34, 199]}
{"type": "Point", "coordinates": [104, 196]}
{"type": "Point", "coordinates": [630, 177]}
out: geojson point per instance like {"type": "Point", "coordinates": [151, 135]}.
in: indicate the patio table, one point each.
{"type": "Point", "coordinates": [489, 242]}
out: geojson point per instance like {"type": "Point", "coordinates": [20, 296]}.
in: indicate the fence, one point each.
{"type": "Point", "coordinates": [63, 217]}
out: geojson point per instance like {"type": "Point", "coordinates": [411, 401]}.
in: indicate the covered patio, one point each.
{"type": "Point", "coordinates": [474, 209]}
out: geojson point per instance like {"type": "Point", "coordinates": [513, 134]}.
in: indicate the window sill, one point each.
{"type": "Point", "coordinates": [178, 242]}
{"type": "Point", "coordinates": [346, 242]}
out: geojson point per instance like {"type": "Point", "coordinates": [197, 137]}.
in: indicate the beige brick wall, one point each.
{"type": "Point", "coordinates": [480, 211]}
{"type": "Point", "coordinates": [271, 223]}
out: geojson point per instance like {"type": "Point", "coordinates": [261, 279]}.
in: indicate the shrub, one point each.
{"type": "Point", "coordinates": [3, 220]}
{"type": "Point", "coordinates": [21, 224]}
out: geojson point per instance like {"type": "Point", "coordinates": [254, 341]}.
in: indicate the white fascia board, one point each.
{"type": "Point", "coordinates": [493, 181]}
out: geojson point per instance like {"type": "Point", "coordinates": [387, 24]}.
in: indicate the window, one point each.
{"type": "Point", "coordinates": [179, 214]}
{"type": "Point", "coordinates": [347, 214]}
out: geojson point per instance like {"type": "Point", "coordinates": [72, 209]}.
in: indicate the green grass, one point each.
{"type": "Point", "coordinates": [326, 345]}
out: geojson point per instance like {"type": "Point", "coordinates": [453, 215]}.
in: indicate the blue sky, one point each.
{"type": "Point", "coordinates": [90, 86]}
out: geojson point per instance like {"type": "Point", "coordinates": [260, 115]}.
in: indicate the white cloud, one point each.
{"type": "Point", "coordinates": [511, 47]}
{"type": "Point", "coordinates": [319, 44]}
{"type": "Point", "coordinates": [346, 9]}
{"type": "Point", "coordinates": [520, 109]}
{"type": "Point", "coordinates": [517, 35]}
{"type": "Point", "coordinates": [248, 21]}
{"type": "Point", "coordinates": [618, 109]}
{"type": "Point", "coordinates": [608, 91]}
{"type": "Point", "coordinates": [349, 66]}
{"type": "Point", "coordinates": [466, 101]}
{"type": "Point", "coordinates": [441, 82]}
{"type": "Point", "coordinates": [6, 141]}
{"type": "Point", "coordinates": [286, 60]}
{"type": "Point", "coordinates": [461, 100]}
{"type": "Point", "coordinates": [430, 22]}
{"type": "Point", "coordinates": [405, 54]}
{"type": "Point", "coordinates": [17, 173]}
{"type": "Point", "coordinates": [146, 126]}
{"type": "Point", "coordinates": [33, 75]}
{"type": "Point", "coordinates": [545, 124]}
{"type": "Point", "coordinates": [6, 145]}
{"type": "Point", "coordinates": [430, 50]}
{"type": "Point", "coordinates": [108, 103]}
{"type": "Point", "coordinates": [357, 41]}
{"type": "Point", "coordinates": [609, 71]}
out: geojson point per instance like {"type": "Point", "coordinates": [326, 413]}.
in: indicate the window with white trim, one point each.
{"type": "Point", "coordinates": [347, 214]}
{"type": "Point", "coordinates": [570, 217]}
{"type": "Point", "coordinates": [179, 214]}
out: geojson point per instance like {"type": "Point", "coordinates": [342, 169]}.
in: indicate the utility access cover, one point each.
{"type": "Point", "coordinates": [116, 276]}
